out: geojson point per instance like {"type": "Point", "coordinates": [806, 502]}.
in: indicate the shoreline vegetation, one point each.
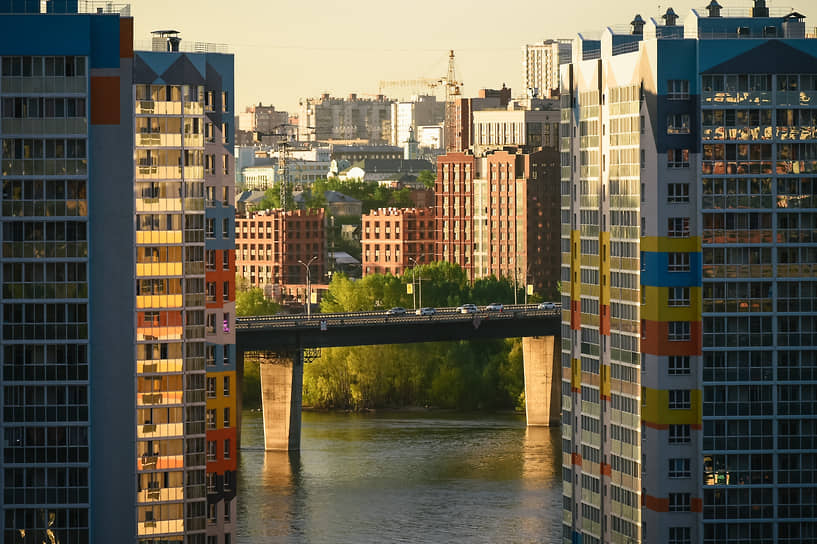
{"type": "Point", "coordinates": [475, 375]}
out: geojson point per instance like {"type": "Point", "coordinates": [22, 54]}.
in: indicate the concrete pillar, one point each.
{"type": "Point", "coordinates": [543, 380]}
{"type": "Point", "coordinates": [282, 380]}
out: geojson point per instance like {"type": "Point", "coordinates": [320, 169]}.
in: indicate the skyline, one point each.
{"type": "Point", "coordinates": [385, 50]}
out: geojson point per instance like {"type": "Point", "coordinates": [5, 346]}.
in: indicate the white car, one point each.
{"type": "Point", "coordinates": [494, 307]}
{"type": "Point", "coordinates": [425, 311]}
{"type": "Point", "coordinates": [468, 309]}
{"type": "Point", "coordinates": [546, 306]}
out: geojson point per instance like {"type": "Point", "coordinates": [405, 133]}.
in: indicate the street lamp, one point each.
{"type": "Point", "coordinates": [415, 263]}
{"type": "Point", "coordinates": [308, 286]}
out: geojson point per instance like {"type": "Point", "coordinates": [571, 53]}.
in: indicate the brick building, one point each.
{"type": "Point", "coordinates": [498, 214]}
{"type": "Point", "coordinates": [392, 237]}
{"type": "Point", "coordinates": [270, 244]}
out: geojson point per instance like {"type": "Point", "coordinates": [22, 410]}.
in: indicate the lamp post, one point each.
{"type": "Point", "coordinates": [308, 286]}
{"type": "Point", "coordinates": [415, 264]}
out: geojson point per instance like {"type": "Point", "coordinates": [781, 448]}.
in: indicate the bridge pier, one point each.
{"type": "Point", "coordinates": [543, 380]}
{"type": "Point", "coordinates": [282, 380]}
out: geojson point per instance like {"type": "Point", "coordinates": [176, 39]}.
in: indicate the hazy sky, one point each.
{"type": "Point", "coordinates": [287, 49]}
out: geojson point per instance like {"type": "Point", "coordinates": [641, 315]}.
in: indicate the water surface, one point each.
{"type": "Point", "coordinates": [419, 477]}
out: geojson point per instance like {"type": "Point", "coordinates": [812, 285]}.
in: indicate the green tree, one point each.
{"type": "Point", "coordinates": [427, 178]}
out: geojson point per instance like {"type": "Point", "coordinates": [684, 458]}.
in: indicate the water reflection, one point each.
{"type": "Point", "coordinates": [402, 477]}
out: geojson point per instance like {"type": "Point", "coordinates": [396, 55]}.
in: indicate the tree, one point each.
{"type": "Point", "coordinates": [427, 178]}
{"type": "Point", "coordinates": [251, 300]}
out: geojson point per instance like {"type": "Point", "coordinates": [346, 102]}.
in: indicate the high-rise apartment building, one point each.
{"type": "Point", "coordinates": [66, 145]}
{"type": "Point", "coordinates": [540, 67]}
{"type": "Point", "coordinates": [689, 166]}
{"type": "Point", "coordinates": [328, 118]}
{"type": "Point", "coordinates": [406, 116]}
{"type": "Point", "coordinates": [395, 239]}
{"type": "Point", "coordinates": [186, 441]}
{"type": "Point", "coordinates": [497, 214]}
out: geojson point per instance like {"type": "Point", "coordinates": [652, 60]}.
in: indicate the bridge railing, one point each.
{"type": "Point", "coordinates": [352, 319]}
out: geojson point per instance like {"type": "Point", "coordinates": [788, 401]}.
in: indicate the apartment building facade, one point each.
{"type": "Point", "coordinates": [396, 239]}
{"type": "Point", "coordinates": [540, 66]}
{"type": "Point", "coordinates": [497, 214]}
{"type": "Point", "coordinates": [328, 118]}
{"type": "Point", "coordinates": [689, 157]}
{"type": "Point", "coordinates": [271, 246]}
{"type": "Point", "coordinates": [186, 429]}
{"type": "Point", "coordinates": [66, 217]}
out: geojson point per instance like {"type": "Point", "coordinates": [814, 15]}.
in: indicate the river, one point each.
{"type": "Point", "coordinates": [402, 477]}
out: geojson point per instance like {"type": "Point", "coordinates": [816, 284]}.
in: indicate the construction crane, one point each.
{"type": "Point", "coordinates": [418, 84]}
{"type": "Point", "coordinates": [452, 92]}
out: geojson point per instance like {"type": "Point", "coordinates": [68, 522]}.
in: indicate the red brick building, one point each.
{"type": "Point", "coordinates": [269, 245]}
{"type": "Point", "coordinates": [498, 214]}
{"type": "Point", "coordinates": [391, 237]}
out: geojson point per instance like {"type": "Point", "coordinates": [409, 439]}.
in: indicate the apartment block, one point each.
{"type": "Point", "coordinates": [67, 339]}
{"type": "Point", "coordinates": [328, 118]}
{"type": "Point", "coordinates": [271, 246]}
{"type": "Point", "coordinates": [689, 164]}
{"type": "Point", "coordinates": [185, 293]}
{"type": "Point", "coordinates": [540, 67]}
{"type": "Point", "coordinates": [396, 239]}
{"type": "Point", "coordinates": [408, 115]}
{"type": "Point", "coordinates": [497, 214]}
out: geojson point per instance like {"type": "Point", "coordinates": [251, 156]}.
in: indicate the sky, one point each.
{"type": "Point", "coordinates": [286, 50]}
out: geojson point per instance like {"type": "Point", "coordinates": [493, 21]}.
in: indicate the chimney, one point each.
{"type": "Point", "coordinates": [760, 9]}
{"type": "Point", "coordinates": [670, 17]}
{"type": "Point", "coordinates": [638, 25]}
{"type": "Point", "coordinates": [714, 9]}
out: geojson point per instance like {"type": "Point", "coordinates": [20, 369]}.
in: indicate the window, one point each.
{"type": "Point", "coordinates": [211, 451]}
{"type": "Point", "coordinates": [227, 355]}
{"type": "Point", "coordinates": [228, 484]}
{"type": "Point", "coordinates": [225, 259]}
{"type": "Point", "coordinates": [211, 291]}
{"type": "Point", "coordinates": [643, 158]}
{"type": "Point", "coordinates": [679, 399]}
{"type": "Point", "coordinates": [678, 331]}
{"type": "Point", "coordinates": [225, 227]}
{"type": "Point", "coordinates": [680, 535]}
{"type": "Point", "coordinates": [226, 323]}
{"type": "Point", "coordinates": [211, 323]}
{"type": "Point", "coordinates": [211, 512]}
{"type": "Point", "coordinates": [678, 123]}
{"type": "Point", "coordinates": [225, 291]}
{"type": "Point", "coordinates": [211, 419]}
{"type": "Point", "coordinates": [226, 386]}
{"type": "Point", "coordinates": [211, 228]}
{"type": "Point", "coordinates": [678, 434]}
{"type": "Point", "coordinates": [678, 227]}
{"type": "Point", "coordinates": [678, 365]}
{"type": "Point", "coordinates": [211, 355]}
{"type": "Point", "coordinates": [678, 262]}
{"type": "Point", "coordinates": [225, 103]}
{"type": "Point", "coordinates": [211, 259]}
{"type": "Point", "coordinates": [226, 417]}
{"type": "Point", "coordinates": [679, 468]}
{"type": "Point", "coordinates": [677, 158]}
{"type": "Point", "coordinates": [677, 192]}
{"type": "Point", "coordinates": [227, 445]}
{"type": "Point", "coordinates": [678, 89]}
{"type": "Point", "coordinates": [225, 160]}
{"type": "Point", "coordinates": [679, 502]}
{"type": "Point", "coordinates": [678, 296]}
{"type": "Point", "coordinates": [211, 388]}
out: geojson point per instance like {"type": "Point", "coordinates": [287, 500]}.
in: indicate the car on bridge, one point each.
{"type": "Point", "coordinates": [467, 309]}
{"type": "Point", "coordinates": [425, 311]}
{"type": "Point", "coordinates": [397, 310]}
{"type": "Point", "coordinates": [546, 306]}
{"type": "Point", "coordinates": [494, 307]}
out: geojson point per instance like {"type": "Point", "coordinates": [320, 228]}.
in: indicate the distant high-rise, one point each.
{"type": "Point", "coordinates": [689, 257]}
{"type": "Point", "coordinates": [540, 67]}
{"type": "Point", "coordinates": [351, 119]}
{"type": "Point", "coordinates": [66, 216]}
{"type": "Point", "coordinates": [186, 402]}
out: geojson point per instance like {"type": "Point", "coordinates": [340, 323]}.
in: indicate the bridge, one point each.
{"type": "Point", "coordinates": [284, 343]}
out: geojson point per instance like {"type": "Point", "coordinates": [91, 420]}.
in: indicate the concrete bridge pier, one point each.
{"type": "Point", "coordinates": [543, 380]}
{"type": "Point", "coordinates": [282, 380]}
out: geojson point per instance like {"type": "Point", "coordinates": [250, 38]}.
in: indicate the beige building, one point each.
{"type": "Point", "coordinates": [540, 67]}
{"type": "Point", "coordinates": [327, 118]}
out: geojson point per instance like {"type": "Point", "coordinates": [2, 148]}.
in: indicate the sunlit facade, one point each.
{"type": "Point", "coordinates": [689, 345]}
{"type": "Point", "coordinates": [67, 336]}
{"type": "Point", "coordinates": [185, 296]}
